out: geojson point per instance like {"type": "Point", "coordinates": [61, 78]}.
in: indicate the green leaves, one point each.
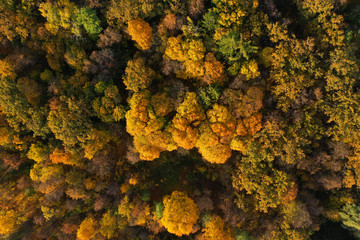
{"type": "Point", "coordinates": [233, 47]}
{"type": "Point", "coordinates": [350, 216]}
{"type": "Point", "coordinates": [88, 19]}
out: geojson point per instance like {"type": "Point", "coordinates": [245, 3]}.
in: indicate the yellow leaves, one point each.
{"type": "Point", "coordinates": [180, 213]}
{"type": "Point", "coordinates": [210, 147]}
{"type": "Point", "coordinates": [42, 173]}
{"type": "Point", "coordinates": [150, 146]}
{"type": "Point", "coordinates": [137, 75]}
{"type": "Point", "coordinates": [108, 224]}
{"type": "Point", "coordinates": [250, 70]}
{"type": "Point", "coordinates": [75, 56]}
{"type": "Point", "coordinates": [241, 129]}
{"type": "Point", "coordinates": [191, 53]}
{"type": "Point", "coordinates": [86, 229]}
{"type": "Point", "coordinates": [150, 137]}
{"type": "Point", "coordinates": [195, 50]}
{"type": "Point", "coordinates": [238, 144]}
{"type": "Point", "coordinates": [216, 229]}
{"type": "Point", "coordinates": [162, 104]}
{"type": "Point", "coordinates": [349, 179]}
{"type": "Point", "coordinates": [137, 116]}
{"type": "Point", "coordinates": [193, 69]}
{"type": "Point", "coordinates": [191, 109]}
{"type": "Point", "coordinates": [38, 153]}
{"type": "Point", "coordinates": [58, 15]}
{"type": "Point", "coordinates": [277, 32]}
{"type": "Point", "coordinates": [334, 34]}
{"type": "Point", "coordinates": [190, 114]}
{"type": "Point", "coordinates": [220, 33]}
{"type": "Point", "coordinates": [6, 69]}
{"type": "Point", "coordinates": [221, 121]}
{"type": "Point", "coordinates": [313, 7]}
{"type": "Point", "coordinates": [174, 49]}
{"type": "Point", "coordinates": [7, 222]}
{"type": "Point", "coordinates": [183, 133]}
{"type": "Point", "coordinates": [97, 141]}
{"type": "Point", "coordinates": [231, 12]}
{"type": "Point", "coordinates": [141, 33]}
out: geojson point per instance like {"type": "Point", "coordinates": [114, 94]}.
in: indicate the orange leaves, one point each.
{"type": "Point", "coordinates": [141, 33]}
{"type": "Point", "coordinates": [183, 133]}
{"type": "Point", "coordinates": [253, 123]}
{"type": "Point", "coordinates": [214, 70]}
{"type": "Point", "coordinates": [60, 156]}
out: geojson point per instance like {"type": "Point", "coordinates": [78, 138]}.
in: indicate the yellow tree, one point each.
{"type": "Point", "coordinates": [8, 222]}
{"type": "Point", "coordinates": [141, 33]}
{"type": "Point", "coordinates": [214, 140]}
{"type": "Point", "coordinates": [215, 229]}
{"type": "Point", "coordinates": [137, 75]}
{"type": "Point", "coordinates": [86, 229]}
{"type": "Point", "coordinates": [180, 213]}
{"type": "Point", "coordinates": [184, 124]}
{"type": "Point", "coordinates": [147, 124]}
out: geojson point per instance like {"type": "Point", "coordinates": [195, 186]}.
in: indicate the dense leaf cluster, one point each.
{"type": "Point", "coordinates": [179, 119]}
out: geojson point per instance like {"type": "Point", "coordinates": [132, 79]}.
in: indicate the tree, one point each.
{"type": "Point", "coordinates": [19, 114]}
{"type": "Point", "coordinates": [31, 90]}
{"type": "Point", "coordinates": [255, 175]}
{"type": "Point", "coordinates": [148, 125]}
{"type": "Point", "coordinates": [184, 125]}
{"type": "Point", "coordinates": [295, 65]}
{"type": "Point", "coordinates": [120, 12]}
{"type": "Point", "coordinates": [109, 37]}
{"type": "Point", "coordinates": [233, 47]}
{"type": "Point", "coordinates": [87, 229]}
{"type": "Point", "coordinates": [8, 222]}
{"type": "Point", "coordinates": [250, 70]}
{"type": "Point", "coordinates": [108, 224]}
{"type": "Point", "coordinates": [350, 216]}
{"type": "Point", "coordinates": [87, 18]}
{"type": "Point", "coordinates": [69, 120]}
{"type": "Point", "coordinates": [180, 213]}
{"type": "Point", "coordinates": [67, 158]}
{"type": "Point", "coordinates": [137, 75]}
{"type": "Point", "coordinates": [214, 70]}
{"type": "Point", "coordinates": [215, 229]}
{"type": "Point", "coordinates": [175, 49]}
{"type": "Point", "coordinates": [108, 107]}
{"type": "Point", "coordinates": [141, 33]}
{"type": "Point", "coordinates": [38, 152]}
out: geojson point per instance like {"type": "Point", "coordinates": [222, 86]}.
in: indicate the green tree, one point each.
{"type": "Point", "coordinates": [87, 18]}
{"type": "Point", "coordinates": [350, 216]}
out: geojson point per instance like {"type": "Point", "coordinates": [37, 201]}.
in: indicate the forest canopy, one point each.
{"type": "Point", "coordinates": [179, 119]}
